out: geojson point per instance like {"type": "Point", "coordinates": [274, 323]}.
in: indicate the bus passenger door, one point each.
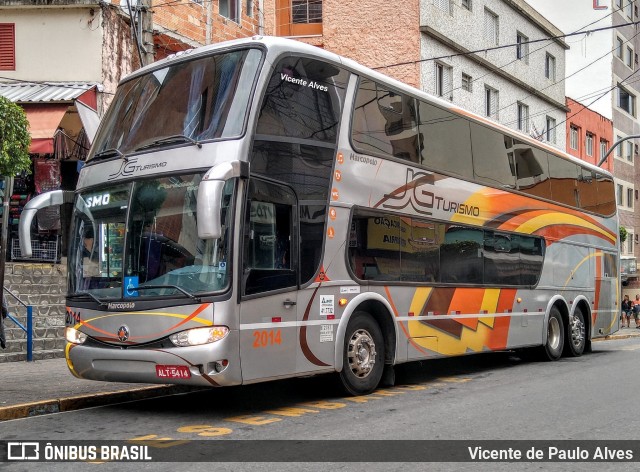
{"type": "Point", "coordinates": [607, 295]}
{"type": "Point", "coordinates": [268, 328]}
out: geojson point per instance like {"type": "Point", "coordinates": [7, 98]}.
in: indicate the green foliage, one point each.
{"type": "Point", "coordinates": [623, 234]}
{"type": "Point", "coordinates": [14, 139]}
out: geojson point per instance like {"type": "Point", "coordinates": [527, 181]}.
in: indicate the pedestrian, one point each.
{"type": "Point", "coordinates": [5, 311]}
{"type": "Point", "coordinates": [636, 311]}
{"type": "Point", "coordinates": [627, 308]}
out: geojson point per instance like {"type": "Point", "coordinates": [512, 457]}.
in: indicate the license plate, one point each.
{"type": "Point", "coordinates": [173, 372]}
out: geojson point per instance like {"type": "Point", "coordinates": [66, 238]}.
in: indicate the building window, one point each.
{"type": "Point", "coordinates": [443, 80]}
{"type": "Point", "coordinates": [619, 190]}
{"type": "Point", "coordinates": [490, 27]}
{"type": "Point", "coordinates": [444, 5]}
{"type": "Point", "coordinates": [298, 17]}
{"type": "Point", "coordinates": [467, 82]}
{"type": "Point", "coordinates": [630, 237]}
{"type": "Point", "coordinates": [604, 145]}
{"type": "Point", "coordinates": [629, 198]}
{"type": "Point", "coordinates": [550, 67]}
{"type": "Point", "coordinates": [628, 58]}
{"type": "Point", "coordinates": [491, 102]}
{"type": "Point", "coordinates": [551, 129]}
{"type": "Point", "coordinates": [7, 46]}
{"type": "Point", "coordinates": [589, 144]}
{"type": "Point", "coordinates": [522, 48]}
{"type": "Point", "coordinates": [466, 4]}
{"type": "Point", "coordinates": [629, 146]}
{"type": "Point", "coordinates": [523, 117]}
{"type": "Point", "coordinates": [628, 9]}
{"type": "Point", "coordinates": [573, 137]}
{"type": "Point", "coordinates": [619, 44]}
{"type": "Point", "coordinates": [230, 9]}
{"type": "Point", "coordinates": [619, 147]}
{"type": "Point", "coordinates": [626, 101]}
{"type": "Point", "coordinates": [249, 8]}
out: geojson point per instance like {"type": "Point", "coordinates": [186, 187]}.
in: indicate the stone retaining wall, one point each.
{"type": "Point", "coordinates": [42, 286]}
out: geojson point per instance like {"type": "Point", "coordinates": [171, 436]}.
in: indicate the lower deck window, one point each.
{"type": "Point", "coordinates": [385, 247]}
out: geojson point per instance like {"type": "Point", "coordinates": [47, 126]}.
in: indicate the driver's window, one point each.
{"type": "Point", "coordinates": [269, 262]}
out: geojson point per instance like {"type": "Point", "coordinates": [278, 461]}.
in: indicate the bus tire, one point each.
{"type": "Point", "coordinates": [552, 349]}
{"type": "Point", "coordinates": [363, 355]}
{"type": "Point", "coordinates": [575, 342]}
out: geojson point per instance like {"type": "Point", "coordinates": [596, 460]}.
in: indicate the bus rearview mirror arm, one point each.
{"type": "Point", "coordinates": [55, 197]}
{"type": "Point", "coordinates": [210, 196]}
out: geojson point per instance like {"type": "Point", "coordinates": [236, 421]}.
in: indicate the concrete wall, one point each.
{"type": "Point", "coordinates": [43, 286]}
{"type": "Point", "coordinates": [56, 44]}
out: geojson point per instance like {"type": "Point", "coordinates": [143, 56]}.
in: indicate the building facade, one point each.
{"type": "Point", "coordinates": [601, 76]}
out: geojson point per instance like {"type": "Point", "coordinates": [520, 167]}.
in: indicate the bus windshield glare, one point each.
{"type": "Point", "coordinates": [194, 101]}
{"type": "Point", "coordinates": [140, 239]}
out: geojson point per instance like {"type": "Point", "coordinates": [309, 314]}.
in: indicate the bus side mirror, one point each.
{"type": "Point", "coordinates": [44, 200]}
{"type": "Point", "coordinates": [210, 196]}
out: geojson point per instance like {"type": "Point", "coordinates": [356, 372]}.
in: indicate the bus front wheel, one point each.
{"type": "Point", "coordinates": [552, 348]}
{"type": "Point", "coordinates": [363, 355]}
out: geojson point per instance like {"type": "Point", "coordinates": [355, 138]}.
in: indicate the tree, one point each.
{"type": "Point", "coordinates": [14, 139]}
{"type": "Point", "coordinates": [623, 234]}
{"type": "Point", "coordinates": [14, 158]}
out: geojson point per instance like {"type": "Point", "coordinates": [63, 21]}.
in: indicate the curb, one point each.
{"type": "Point", "coordinates": [78, 402]}
{"type": "Point", "coordinates": [622, 335]}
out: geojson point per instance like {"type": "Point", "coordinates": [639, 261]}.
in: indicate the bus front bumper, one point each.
{"type": "Point", "coordinates": [213, 365]}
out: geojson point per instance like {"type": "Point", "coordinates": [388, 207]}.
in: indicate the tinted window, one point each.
{"type": "Point", "coordinates": [269, 240]}
{"type": "Point", "coordinates": [606, 195]}
{"type": "Point", "coordinates": [446, 141]}
{"type": "Point", "coordinates": [384, 122]}
{"type": "Point", "coordinates": [461, 255]}
{"type": "Point", "coordinates": [308, 170]}
{"type": "Point", "coordinates": [303, 100]}
{"type": "Point", "coordinates": [532, 172]}
{"type": "Point", "coordinates": [587, 190]}
{"type": "Point", "coordinates": [492, 161]}
{"type": "Point", "coordinates": [387, 247]}
{"type": "Point", "coordinates": [564, 180]}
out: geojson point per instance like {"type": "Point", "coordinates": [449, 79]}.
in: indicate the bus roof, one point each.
{"type": "Point", "coordinates": [278, 45]}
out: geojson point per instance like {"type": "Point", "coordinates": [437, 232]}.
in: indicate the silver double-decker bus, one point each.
{"type": "Point", "coordinates": [261, 209]}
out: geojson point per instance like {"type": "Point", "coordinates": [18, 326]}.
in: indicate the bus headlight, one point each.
{"type": "Point", "coordinates": [74, 336]}
{"type": "Point", "coordinates": [197, 336]}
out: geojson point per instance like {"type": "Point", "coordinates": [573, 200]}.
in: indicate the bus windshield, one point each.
{"type": "Point", "coordinates": [189, 102]}
{"type": "Point", "coordinates": [140, 239]}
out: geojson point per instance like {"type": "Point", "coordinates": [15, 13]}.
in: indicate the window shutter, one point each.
{"type": "Point", "coordinates": [7, 46]}
{"type": "Point", "coordinates": [448, 83]}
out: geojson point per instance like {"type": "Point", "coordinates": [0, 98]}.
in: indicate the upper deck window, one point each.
{"type": "Point", "coordinates": [202, 99]}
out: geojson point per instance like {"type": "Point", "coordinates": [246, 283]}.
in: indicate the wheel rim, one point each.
{"type": "Point", "coordinates": [577, 331]}
{"type": "Point", "coordinates": [553, 333]}
{"type": "Point", "coordinates": [361, 353]}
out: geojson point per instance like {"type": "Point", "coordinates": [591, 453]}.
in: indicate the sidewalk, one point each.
{"type": "Point", "coordinates": [47, 386]}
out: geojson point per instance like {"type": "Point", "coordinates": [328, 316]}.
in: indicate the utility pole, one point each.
{"type": "Point", "coordinates": [146, 32]}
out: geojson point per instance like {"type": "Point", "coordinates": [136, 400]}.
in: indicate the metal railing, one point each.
{"type": "Point", "coordinates": [29, 328]}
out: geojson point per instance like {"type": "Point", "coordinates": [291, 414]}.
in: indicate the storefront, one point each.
{"type": "Point", "coordinates": [62, 122]}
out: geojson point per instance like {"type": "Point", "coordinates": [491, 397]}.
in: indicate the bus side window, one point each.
{"type": "Point", "coordinates": [268, 238]}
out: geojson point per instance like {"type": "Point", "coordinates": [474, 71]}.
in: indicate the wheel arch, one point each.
{"type": "Point", "coordinates": [380, 309]}
{"type": "Point", "coordinates": [559, 302]}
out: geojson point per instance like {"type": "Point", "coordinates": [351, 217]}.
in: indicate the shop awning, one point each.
{"type": "Point", "coordinates": [44, 120]}
{"type": "Point", "coordinates": [89, 118]}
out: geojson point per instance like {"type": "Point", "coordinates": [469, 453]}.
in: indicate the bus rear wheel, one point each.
{"type": "Point", "coordinates": [552, 348]}
{"type": "Point", "coordinates": [576, 335]}
{"type": "Point", "coordinates": [363, 355]}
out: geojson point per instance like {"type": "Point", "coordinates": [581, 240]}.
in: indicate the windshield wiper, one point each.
{"type": "Point", "coordinates": [109, 153]}
{"type": "Point", "coordinates": [179, 289]}
{"type": "Point", "coordinates": [90, 295]}
{"type": "Point", "coordinates": [176, 138]}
